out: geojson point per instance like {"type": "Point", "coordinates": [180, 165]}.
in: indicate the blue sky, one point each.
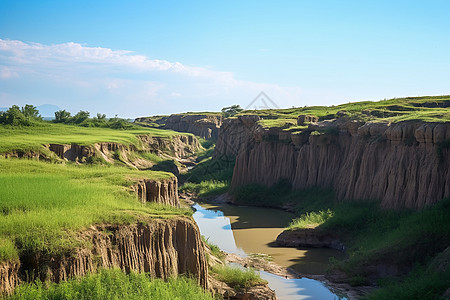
{"type": "Point", "coordinates": [135, 58]}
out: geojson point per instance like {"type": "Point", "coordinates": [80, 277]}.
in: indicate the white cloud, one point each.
{"type": "Point", "coordinates": [5, 73]}
{"type": "Point", "coordinates": [76, 77]}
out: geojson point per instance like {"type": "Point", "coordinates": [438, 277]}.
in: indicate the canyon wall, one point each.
{"type": "Point", "coordinates": [160, 247]}
{"type": "Point", "coordinates": [202, 125]}
{"type": "Point", "coordinates": [404, 164]}
{"type": "Point", "coordinates": [178, 146]}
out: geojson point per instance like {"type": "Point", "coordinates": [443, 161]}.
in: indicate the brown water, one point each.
{"type": "Point", "coordinates": [254, 230]}
{"type": "Point", "coordinates": [247, 230]}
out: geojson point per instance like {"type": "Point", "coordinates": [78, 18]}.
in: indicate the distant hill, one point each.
{"type": "Point", "coordinates": [47, 111]}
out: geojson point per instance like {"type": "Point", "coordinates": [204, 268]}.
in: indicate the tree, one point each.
{"type": "Point", "coordinates": [231, 110]}
{"type": "Point", "coordinates": [14, 116]}
{"type": "Point", "coordinates": [30, 112]}
{"type": "Point", "coordinates": [62, 116]}
{"type": "Point", "coordinates": [101, 116]}
{"type": "Point", "coordinates": [80, 117]}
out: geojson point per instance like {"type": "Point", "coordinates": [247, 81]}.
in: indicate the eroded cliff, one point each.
{"type": "Point", "coordinates": [160, 247]}
{"type": "Point", "coordinates": [404, 164]}
{"type": "Point", "coordinates": [164, 191]}
{"type": "Point", "coordinates": [202, 125]}
{"type": "Point", "coordinates": [181, 148]}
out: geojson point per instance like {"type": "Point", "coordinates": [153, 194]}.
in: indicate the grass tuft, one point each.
{"type": "Point", "coordinates": [236, 277]}
{"type": "Point", "coordinates": [311, 219]}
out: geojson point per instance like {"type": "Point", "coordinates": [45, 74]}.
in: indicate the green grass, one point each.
{"type": "Point", "coordinates": [420, 284]}
{"type": "Point", "coordinates": [311, 219]}
{"type": "Point", "coordinates": [206, 188]}
{"type": "Point", "coordinates": [215, 250]}
{"type": "Point", "coordinates": [373, 234]}
{"type": "Point", "coordinates": [153, 157]}
{"type": "Point", "coordinates": [113, 284]}
{"type": "Point", "coordinates": [428, 109]}
{"type": "Point", "coordinates": [43, 205]}
{"type": "Point", "coordinates": [283, 123]}
{"type": "Point", "coordinates": [210, 176]}
{"type": "Point", "coordinates": [236, 277]}
{"type": "Point", "coordinates": [33, 137]}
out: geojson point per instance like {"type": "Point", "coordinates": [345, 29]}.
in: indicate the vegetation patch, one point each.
{"type": "Point", "coordinates": [215, 250]}
{"type": "Point", "coordinates": [210, 176]}
{"type": "Point", "coordinates": [311, 219]}
{"type": "Point", "coordinates": [113, 284]}
{"type": "Point", "coordinates": [373, 236]}
{"type": "Point", "coordinates": [279, 194]}
{"type": "Point", "coordinates": [20, 138]}
{"type": "Point", "coordinates": [427, 109]}
{"type": "Point", "coordinates": [43, 205]}
{"type": "Point", "coordinates": [236, 277]}
{"type": "Point", "coordinates": [418, 284]}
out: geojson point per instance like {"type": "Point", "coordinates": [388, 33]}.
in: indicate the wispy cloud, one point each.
{"type": "Point", "coordinates": [5, 73]}
{"type": "Point", "coordinates": [76, 76]}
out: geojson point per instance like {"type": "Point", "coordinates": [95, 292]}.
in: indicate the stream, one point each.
{"type": "Point", "coordinates": [249, 230]}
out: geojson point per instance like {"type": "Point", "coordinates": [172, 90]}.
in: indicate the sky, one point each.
{"type": "Point", "coordinates": [141, 58]}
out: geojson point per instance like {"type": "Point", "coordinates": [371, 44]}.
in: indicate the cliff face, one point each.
{"type": "Point", "coordinates": [162, 248]}
{"type": "Point", "coordinates": [8, 276]}
{"type": "Point", "coordinates": [205, 126]}
{"type": "Point", "coordinates": [163, 191]}
{"type": "Point", "coordinates": [179, 147]}
{"type": "Point", "coordinates": [405, 164]}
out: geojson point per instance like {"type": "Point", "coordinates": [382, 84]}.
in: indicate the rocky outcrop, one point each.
{"type": "Point", "coordinates": [164, 191]}
{"type": "Point", "coordinates": [405, 164]}
{"type": "Point", "coordinates": [8, 276]}
{"type": "Point", "coordinates": [72, 152]}
{"type": "Point", "coordinates": [178, 146]}
{"type": "Point", "coordinates": [162, 248]}
{"type": "Point", "coordinates": [202, 125]}
{"type": "Point", "coordinates": [309, 237]}
{"type": "Point", "coordinates": [305, 119]}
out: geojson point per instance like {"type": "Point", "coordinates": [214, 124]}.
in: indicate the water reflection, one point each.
{"type": "Point", "coordinates": [303, 288]}
{"type": "Point", "coordinates": [245, 230]}
{"type": "Point", "coordinates": [217, 229]}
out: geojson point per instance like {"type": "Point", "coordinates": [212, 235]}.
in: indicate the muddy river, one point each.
{"type": "Point", "coordinates": [250, 230]}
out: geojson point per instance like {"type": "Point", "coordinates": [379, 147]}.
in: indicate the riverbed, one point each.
{"type": "Point", "coordinates": [253, 230]}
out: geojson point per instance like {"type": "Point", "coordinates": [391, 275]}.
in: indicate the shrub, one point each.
{"type": "Point", "coordinates": [20, 117]}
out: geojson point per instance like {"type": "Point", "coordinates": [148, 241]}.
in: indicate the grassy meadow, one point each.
{"type": "Point", "coordinates": [43, 205]}
{"type": "Point", "coordinates": [25, 138]}
{"type": "Point", "coordinates": [428, 109]}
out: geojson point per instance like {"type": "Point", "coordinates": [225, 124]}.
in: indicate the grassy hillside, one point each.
{"type": "Point", "coordinates": [32, 137]}
{"type": "Point", "coordinates": [43, 204]}
{"type": "Point", "coordinates": [429, 109]}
